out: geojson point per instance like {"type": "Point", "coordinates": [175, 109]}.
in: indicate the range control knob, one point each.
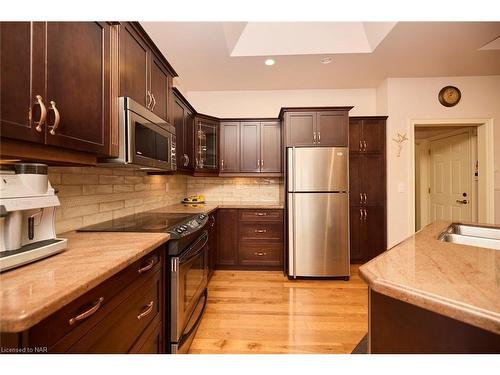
{"type": "Point", "coordinates": [179, 230]}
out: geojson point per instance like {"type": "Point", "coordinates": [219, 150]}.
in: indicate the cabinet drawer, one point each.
{"type": "Point", "coordinates": [261, 231]}
{"type": "Point", "coordinates": [64, 326]}
{"type": "Point", "coordinates": [269, 254]}
{"type": "Point", "coordinates": [118, 331]}
{"type": "Point", "coordinates": [261, 215]}
{"type": "Point", "coordinates": [150, 341]}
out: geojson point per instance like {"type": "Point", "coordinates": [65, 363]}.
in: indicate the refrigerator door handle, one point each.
{"type": "Point", "coordinates": [291, 235]}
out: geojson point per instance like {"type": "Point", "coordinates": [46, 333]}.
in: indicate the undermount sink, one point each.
{"type": "Point", "coordinates": [472, 235]}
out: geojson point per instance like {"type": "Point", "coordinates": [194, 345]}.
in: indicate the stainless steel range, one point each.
{"type": "Point", "coordinates": [186, 268]}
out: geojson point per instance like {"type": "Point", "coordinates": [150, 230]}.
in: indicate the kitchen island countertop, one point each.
{"type": "Point", "coordinates": [31, 293]}
{"type": "Point", "coordinates": [458, 281]}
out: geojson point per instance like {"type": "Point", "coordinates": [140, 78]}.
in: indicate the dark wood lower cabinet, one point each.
{"type": "Point", "coordinates": [397, 327]}
{"type": "Point", "coordinates": [250, 239]}
{"type": "Point", "coordinates": [123, 314]}
{"type": "Point", "coordinates": [367, 232]}
{"type": "Point", "coordinates": [212, 243]}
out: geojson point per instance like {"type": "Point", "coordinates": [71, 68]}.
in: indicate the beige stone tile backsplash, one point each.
{"type": "Point", "coordinates": [237, 190]}
{"type": "Point", "coordinates": [90, 195]}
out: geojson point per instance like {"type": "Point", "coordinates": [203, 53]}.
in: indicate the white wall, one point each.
{"type": "Point", "coordinates": [267, 103]}
{"type": "Point", "coordinates": [416, 98]}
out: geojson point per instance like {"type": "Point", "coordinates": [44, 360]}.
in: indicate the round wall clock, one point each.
{"type": "Point", "coordinates": [449, 96]}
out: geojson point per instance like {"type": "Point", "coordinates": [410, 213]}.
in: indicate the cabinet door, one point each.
{"type": "Point", "coordinates": [206, 145]}
{"type": "Point", "coordinates": [179, 118]}
{"type": "Point", "coordinates": [355, 135]}
{"type": "Point", "coordinates": [355, 179]}
{"type": "Point", "coordinates": [78, 77]}
{"type": "Point", "coordinates": [355, 221]}
{"type": "Point", "coordinates": [230, 147]}
{"type": "Point", "coordinates": [270, 147]}
{"type": "Point", "coordinates": [300, 128]}
{"type": "Point", "coordinates": [22, 65]}
{"type": "Point", "coordinates": [227, 248]}
{"type": "Point", "coordinates": [189, 125]}
{"type": "Point", "coordinates": [159, 87]}
{"type": "Point", "coordinates": [250, 146]}
{"type": "Point", "coordinates": [332, 128]}
{"type": "Point", "coordinates": [373, 179]}
{"type": "Point", "coordinates": [373, 241]}
{"type": "Point", "coordinates": [374, 135]}
{"type": "Point", "coordinates": [134, 56]}
{"type": "Point", "coordinates": [212, 243]}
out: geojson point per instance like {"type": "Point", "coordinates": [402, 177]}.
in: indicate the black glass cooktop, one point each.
{"type": "Point", "coordinates": [141, 222]}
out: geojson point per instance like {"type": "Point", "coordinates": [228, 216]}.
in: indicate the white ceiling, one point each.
{"type": "Point", "coordinates": [230, 56]}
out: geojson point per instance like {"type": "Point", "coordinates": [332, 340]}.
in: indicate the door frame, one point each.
{"type": "Point", "coordinates": [486, 169]}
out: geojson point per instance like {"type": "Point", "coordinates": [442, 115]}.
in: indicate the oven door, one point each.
{"type": "Point", "coordinates": [189, 278]}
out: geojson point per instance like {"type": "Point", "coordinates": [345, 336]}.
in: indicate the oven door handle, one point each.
{"type": "Point", "coordinates": [195, 325]}
{"type": "Point", "coordinates": [188, 255]}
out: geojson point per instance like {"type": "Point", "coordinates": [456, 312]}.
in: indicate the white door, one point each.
{"type": "Point", "coordinates": [451, 179]}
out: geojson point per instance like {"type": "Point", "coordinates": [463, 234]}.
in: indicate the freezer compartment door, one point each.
{"type": "Point", "coordinates": [319, 230]}
{"type": "Point", "coordinates": [318, 169]}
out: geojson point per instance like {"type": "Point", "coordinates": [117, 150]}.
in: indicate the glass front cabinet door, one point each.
{"type": "Point", "coordinates": [206, 149]}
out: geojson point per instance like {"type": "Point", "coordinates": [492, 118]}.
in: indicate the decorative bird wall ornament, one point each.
{"type": "Point", "coordinates": [401, 138]}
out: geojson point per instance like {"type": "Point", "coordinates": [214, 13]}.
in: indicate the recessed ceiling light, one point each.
{"type": "Point", "coordinates": [269, 62]}
{"type": "Point", "coordinates": [326, 60]}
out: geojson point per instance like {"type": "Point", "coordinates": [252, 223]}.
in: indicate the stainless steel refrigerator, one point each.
{"type": "Point", "coordinates": [318, 211]}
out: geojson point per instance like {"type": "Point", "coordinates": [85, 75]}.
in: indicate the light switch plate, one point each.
{"type": "Point", "coordinates": [401, 187]}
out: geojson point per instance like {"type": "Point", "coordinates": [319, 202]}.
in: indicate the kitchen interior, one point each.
{"type": "Point", "coordinates": [196, 188]}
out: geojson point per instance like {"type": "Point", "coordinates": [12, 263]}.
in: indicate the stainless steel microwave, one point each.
{"type": "Point", "coordinates": [146, 141]}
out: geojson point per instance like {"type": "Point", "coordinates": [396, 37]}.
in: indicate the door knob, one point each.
{"type": "Point", "coordinates": [462, 201]}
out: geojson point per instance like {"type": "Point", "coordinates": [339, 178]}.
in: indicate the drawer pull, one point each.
{"type": "Point", "coordinates": [146, 312]}
{"type": "Point", "coordinates": [260, 230]}
{"type": "Point", "coordinates": [260, 253]}
{"type": "Point", "coordinates": [261, 214]}
{"type": "Point", "coordinates": [147, 267]}
{"type": "Point", "coordinates": [87, 313]}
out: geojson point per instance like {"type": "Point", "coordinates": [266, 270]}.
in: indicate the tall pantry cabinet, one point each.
{"type": "Point", "coordinates": [367, 180]}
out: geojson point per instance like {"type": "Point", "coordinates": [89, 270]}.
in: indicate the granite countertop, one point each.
{"type": "Point", "coordinates": [212, 206]}
{"type": "Point", "coordinates": [31, 293]}
{"type": "Point", "coordinates": [458, 281]}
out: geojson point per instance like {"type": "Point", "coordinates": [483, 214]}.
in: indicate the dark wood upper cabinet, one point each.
{"type": "Point", "coordinates": [134, 62]}
{"type": "Point", "coordinates": [367, 134]}
{"type": "Point", "coordinates": [249, 146]}
{"type": "Point", "coordinates": [22, 46]}
{"type": "Point", "coordinates": [183, 116]}
{"type": "Point", "coordinates": [300, 128]}
{"type": "Point", "coordinates": [230, 147]}
{"type": "Point", "coordinates": [206, 145]}
{"type": "Point", "coordinates": [332, 128]}
{"type": "Point", "coordinates": [325, 126]}
{"type": "Point", "coordinates": [77, 81]}
{"type": "Point", "coordinates": [227, 247]}
{"type": "Point", "coordinates": [144, 76]}
{"type": "Point", "coordinates": [270, 147]}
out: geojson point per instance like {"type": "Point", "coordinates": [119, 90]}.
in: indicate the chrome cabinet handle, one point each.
{"type": "Point", "coordinates": [222, 164]}
{"type": "Point", "coordinates": [360, 146]}
{"type": "Point", "coordinates": [364, 195]}
{"type": "Point", "coordinates": [186, 160]}
{"type": "Point", "coordinates": [260, 230]}
{"type": "Point", "coordinates": [364, 146]}
{"type": "Point", "coordinates": [43, 113]}
{"type": "Point", "coordinates": [213, 221]}
{"type": "Point", "coordinates": [260, 214]}
{"type": "Point", "coordinates": [149, 99]}
{"type": "Point", "coordinates": [57, 119]}
{"type": "Point", "coordinates": [89, 312]}
{"type": "Point", "coordinates": [319, 137]}
{"type": "Point", "coordinates": [260, 253]}
{"type": "Point", "coordinates": [360, 198]}
{"type": "Point", "coordinates": [149, 308]}
{"type": "Point", "coordinates": [258, 163]}
{"type": "Point", "coordinates": [147, 267]}
{"type": "Point", "coordinates": [262, 163]}
{"type": "Point", "coordinates": [360, 214]}
{"type": "Point", "coordinates": [365, 214]}
{"type": "Point", "coordinates": [314, 137]}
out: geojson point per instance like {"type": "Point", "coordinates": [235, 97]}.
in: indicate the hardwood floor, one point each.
{"type": "Point", "coordinates": [264, 312]}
